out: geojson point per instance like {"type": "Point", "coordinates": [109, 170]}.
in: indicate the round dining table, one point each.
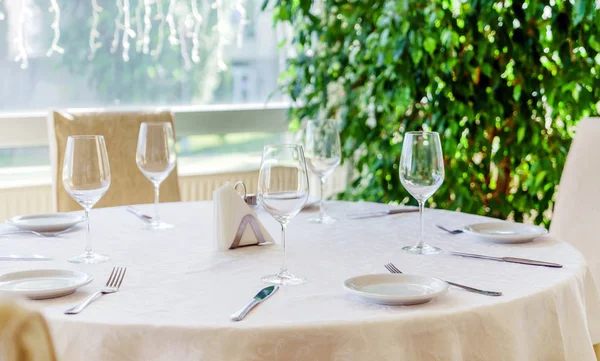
{"type": "Point", "coordinates": [178, 294]}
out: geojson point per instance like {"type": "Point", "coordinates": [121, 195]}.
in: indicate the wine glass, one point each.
{"type": "Point", "coordinates": [86, 177]}
{"type": "Point", "coordinates": [156, 158]}
{"type": "Point", "coordinates": [421, 173]}
{"type": "Point", "coordinates": [323, 153]}
{"type": "Point", "coordinates": [283, 191]}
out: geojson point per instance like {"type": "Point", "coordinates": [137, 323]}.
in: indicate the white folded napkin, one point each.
{"type": "Point", "coordinates": [229, 210]}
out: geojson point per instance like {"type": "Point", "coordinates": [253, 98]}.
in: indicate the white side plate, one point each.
{"type": "Point", "coordinates": [396, 289]}
{"type": "Point", "coordinates": [45, 222]}
{"type": "Point", "coordinates": [41, 284]}
{"type": "Point", "coordinates": [505, 232]}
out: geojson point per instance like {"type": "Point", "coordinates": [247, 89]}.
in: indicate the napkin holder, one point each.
{"type": "Point", "coordinates": [232, 212]}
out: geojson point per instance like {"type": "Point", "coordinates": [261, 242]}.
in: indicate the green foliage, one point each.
{"type": "Point", "coordinates": [503, 82]}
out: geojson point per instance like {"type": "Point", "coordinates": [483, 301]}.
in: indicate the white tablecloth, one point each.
{"type": "Point", "coordinates": [176, 300]}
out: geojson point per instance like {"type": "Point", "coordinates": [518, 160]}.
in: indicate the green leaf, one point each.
{"type": "Point", "coordinates": [430, 45]}
{"type": "Point", "coordinates": [517, 92]}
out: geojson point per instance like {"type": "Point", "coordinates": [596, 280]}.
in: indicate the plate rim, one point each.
{"type": "Point", "coordinates": [469, 229]}
{"type": "Point", "coordinates": [75, 218]}
{"type": "Point", "coordinates": [88, 279]}
{"type": "Point", "coordinates": [396, 298]}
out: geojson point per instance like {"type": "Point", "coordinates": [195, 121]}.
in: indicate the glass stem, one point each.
{"type": "Point", "coordinates": [156, 195]}
{"type": "Point", "coordinates": [421, 236]}
{"type": "Point", "coordinates": [322, 203]}
{"type": "Point", "coordinates": [284, 265]}
{"type": "Point", "coordinates": [88, 239]}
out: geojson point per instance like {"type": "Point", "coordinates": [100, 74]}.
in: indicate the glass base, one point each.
{"type": "Point", "coordinates": [422, 249]}
{"type": "Point", "coordinates": [326, 219]}
{"type": "Point", "coordinates": [158, 226]}
{"type": "Point", "coordinates": [89, 257]}
{"type": "Point", "coordinates": [283, 278]}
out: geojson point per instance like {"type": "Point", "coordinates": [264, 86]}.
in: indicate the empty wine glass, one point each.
{"type": "Point", "coordinates": [323, 153]}
{"type": "Point", "coordinates": [421, 173]}
{"type": "Point", "coordinates": [86, 177]}
{"type": "Point", "coordinates": [156, 158]}
{"type": "Point", "coordinates": [283, 191]}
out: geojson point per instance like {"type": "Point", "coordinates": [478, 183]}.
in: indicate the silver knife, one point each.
{"type": "Point", "coordinates": [259, 298]}
{"type": "Point", "coordinates": [140, 215]}
{"type": "Point", "coordinates": [382, 213]}
{"type": "Point", "coordinates": [29, 257]}
{"type": "Point", "coordinates": [510, 259]}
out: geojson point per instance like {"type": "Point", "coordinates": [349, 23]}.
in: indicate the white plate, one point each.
{"type": "Point", "coordinates": [506, 232]}
{"type": "Point", "coordinates": [396, 289]}
{"type": "Point", "coordinates": [45, 222]}
{"type": "Point", "coordinates": [41, 284]}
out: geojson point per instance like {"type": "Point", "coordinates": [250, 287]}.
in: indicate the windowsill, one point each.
{"type": "Point", "coordinates": [17, 177]}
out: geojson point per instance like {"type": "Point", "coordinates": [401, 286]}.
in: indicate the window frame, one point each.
{"type": "Point", "coordinates": [29, 129]}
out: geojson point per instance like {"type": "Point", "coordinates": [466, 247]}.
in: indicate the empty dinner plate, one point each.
{"type": "Point", "coordinates": [396, 289]}
{"type": "Point", "coordinates": [41, 284]}
{"type": "Point", "coordinates": [45, 222]}
{"type": "Point", "coordinates": [505, 232]}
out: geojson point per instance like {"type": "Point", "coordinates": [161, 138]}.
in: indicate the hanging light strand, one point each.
{"type": "Point", "coordinates": [196, 34]}
{"type": "Point", "coordinates": [221, 31]}
{"type": "Point", "coordinates": [20, 39]}
{"type": "Point", "coordinates": [139, 43]}
{"type": "Point", "coordinates": [55, 9]}
{"type": "Point", "coordinates": [118, 27]}
{"type": "Point", "coordinates": [187, 64]}
{"type": "Point", "coordinates": [239, 7]}
{"type": "Point", "coordinates": [160, 16]}
{"type": "Point", "coordinates": [94, 33]}
{"type": "Point", "coordinates": [171, 21]}
{"type": "Point", "coordinates": [147, 25]}
{"type": "Point", "coordinates": [127, 30]}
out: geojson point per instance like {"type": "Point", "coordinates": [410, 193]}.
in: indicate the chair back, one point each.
{"type": "Point", "coordinates": [577, 210]}
{"type": "Point", "coordinates": [120, 131]}
{"type": "Point", "coordinates": [24, 334]}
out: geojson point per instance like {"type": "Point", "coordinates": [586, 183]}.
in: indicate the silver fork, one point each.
{"type": "Point", "coordinates": [112, 285]}
{"type": "Point", "coordinates": [390, 267]}
{"type": "Point", "coordinates": [451, 231]}
{"type": "Point", "coordinates": [39, 234]}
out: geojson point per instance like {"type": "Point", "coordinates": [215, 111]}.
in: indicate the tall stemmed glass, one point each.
{"type": "Point", "coordinates": [283, 191]}
{"type": "Point", "coordinates": [156, 158]}
{"type": "Point", "coordinates": [421, 173]}
{"type": "Point", "coordinates": [323, 153]}
{"type": "Point", "coordinates": [86, 177]}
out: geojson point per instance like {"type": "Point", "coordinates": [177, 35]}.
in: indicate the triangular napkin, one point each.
{"type": "Point", "coordinates": [229, 211]}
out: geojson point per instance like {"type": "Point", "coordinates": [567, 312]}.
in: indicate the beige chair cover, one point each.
{"type": "Point", "coordinates": [577, 212]}
{"type": "Point", "coordinates": [24, 335]}
{"type": "Point", "coordinates": [120, 131]}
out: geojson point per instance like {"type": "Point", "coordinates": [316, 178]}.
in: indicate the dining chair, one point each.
{"type": "Point", "coordinates": [24, 334]}
{"type": "Point", "coordinates": [577, 209]}
{"type": "Point", "coordinates": [120, 131]}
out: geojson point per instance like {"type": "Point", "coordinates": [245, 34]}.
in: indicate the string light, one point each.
{"type": "Point", "coordinates": [54, 8]}
{"type": "Point", "coordinates": [127, 30]}
{"type": "Point", "coordinates": [196, 35]}
{"type": "Point", "coordinates": [139, 44]}
{"type": "Point", "coordinates": [94, 33]}
{"type": "Point", "coordinates": [239, 7]}
{"type": "Point", "coordinates": [187, 27]}
{"type": "Point", "coordinates": [160, 16]}
{"type": "Point", "coordinates": [171, 21]}
{"type": "Point", "coordinates": [118, 27]}
{"type": "Point", "coordinates": [2, 16]}
{"type": "Point", "coordinates": [147, 25]}
{"type": "Point", "coordinates": [20, 39]}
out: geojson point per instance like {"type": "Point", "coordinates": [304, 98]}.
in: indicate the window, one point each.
{"type": "Point", "coordinates": [138, 53]}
